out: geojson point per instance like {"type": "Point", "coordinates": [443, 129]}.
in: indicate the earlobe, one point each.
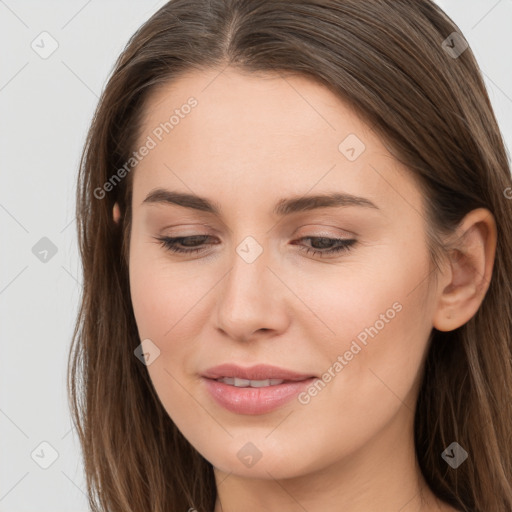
{"type": "Point", "coordinates": [471, 262]}
{"type": "Point", "coordinates": [116, 213]}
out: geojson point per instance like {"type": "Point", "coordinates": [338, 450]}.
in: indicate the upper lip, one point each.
{"type": "Point", "coordinates": [257, 372]}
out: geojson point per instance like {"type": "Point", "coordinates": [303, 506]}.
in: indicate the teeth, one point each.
{"type": "Point", "coordinates": [244, 383]}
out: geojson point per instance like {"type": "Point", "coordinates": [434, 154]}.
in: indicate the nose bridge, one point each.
{"type": "Point", "coordinates": [248, 276]}
{"type": "Point", "coordinates": [248, 299]}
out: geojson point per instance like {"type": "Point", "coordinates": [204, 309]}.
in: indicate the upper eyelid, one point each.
{"type": "Point", "coordinates": [295, 237]}
{"type": "Point", "coordinates": [323, 230]}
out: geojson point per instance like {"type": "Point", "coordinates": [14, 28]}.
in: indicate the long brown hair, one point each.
{"type": "Point", "coordinates": [387, 60]}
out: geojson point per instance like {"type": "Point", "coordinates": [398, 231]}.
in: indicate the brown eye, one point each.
{"type": "Point", "coordinates": [191, 243]}
{"type": "Point", "coordinates": [325, 245]}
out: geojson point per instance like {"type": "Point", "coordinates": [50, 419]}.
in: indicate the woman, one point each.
{"type": "Point", "coordinates": [296, 236]}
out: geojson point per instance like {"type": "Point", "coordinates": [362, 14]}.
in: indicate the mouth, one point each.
{"type": "Point", "coordinates": [246, 383]}
{"type": "Point", "coordinates": [256, 390]}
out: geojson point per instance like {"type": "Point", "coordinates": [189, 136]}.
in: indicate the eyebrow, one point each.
{"type": "Point", "coordinates": [283, 207]}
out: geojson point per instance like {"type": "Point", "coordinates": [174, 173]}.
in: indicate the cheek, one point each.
{"type": "Point", "coordinates": [168, 311]}
{"type": "Point", "coordinates": [172, 304]}
{"type": "Point", "coordinates": [163, 294]}
{"type": "Point", "coordinates": [381, 317]}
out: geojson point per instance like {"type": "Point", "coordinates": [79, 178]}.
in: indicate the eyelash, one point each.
{"type": "Point", "coordinates": [170, 244]}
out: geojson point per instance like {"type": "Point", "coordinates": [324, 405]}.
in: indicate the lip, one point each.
{"type": "Point", "coordinates": [257, 372]}
{"type": "Point", "coordinates": [251, 400]}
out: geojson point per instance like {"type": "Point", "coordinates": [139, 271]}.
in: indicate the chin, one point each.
{"type": "Point", "coordinates": [265, 464]}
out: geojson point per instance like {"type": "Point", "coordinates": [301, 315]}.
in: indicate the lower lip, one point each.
{"type": "Point", "coordinates": [254, 400]}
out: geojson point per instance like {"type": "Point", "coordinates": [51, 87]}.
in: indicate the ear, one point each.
{"type": "Point", "coordinates": [471, 260]}
{"type": "Point", "coordinates": [116, 213]}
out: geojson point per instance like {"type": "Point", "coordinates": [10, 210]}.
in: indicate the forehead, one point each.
{"type": "Point", "coordinates": [248, 108]}
{"type": "Point", "coordinates": [261, 136]}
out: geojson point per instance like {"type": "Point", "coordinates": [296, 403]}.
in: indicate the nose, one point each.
{"type": "Point", "coordinates": [252, 301]}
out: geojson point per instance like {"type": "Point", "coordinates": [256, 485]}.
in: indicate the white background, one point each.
{"type": "Point", "coordinates": [45, 109]}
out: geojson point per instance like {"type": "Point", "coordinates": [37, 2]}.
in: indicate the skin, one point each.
{"type": "Point", "coordinates": [251, 141]}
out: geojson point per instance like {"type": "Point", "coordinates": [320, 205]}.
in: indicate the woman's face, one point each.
{"type": "Point", "coordinates": [254, 292]}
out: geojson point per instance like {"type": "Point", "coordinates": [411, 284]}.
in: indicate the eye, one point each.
{"type": "Point", "coordinates": [341, 244]}
{"type": "Point", "coordinates": [194, 244]}
{"type": "Point", "coordinates": [171, 244]}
